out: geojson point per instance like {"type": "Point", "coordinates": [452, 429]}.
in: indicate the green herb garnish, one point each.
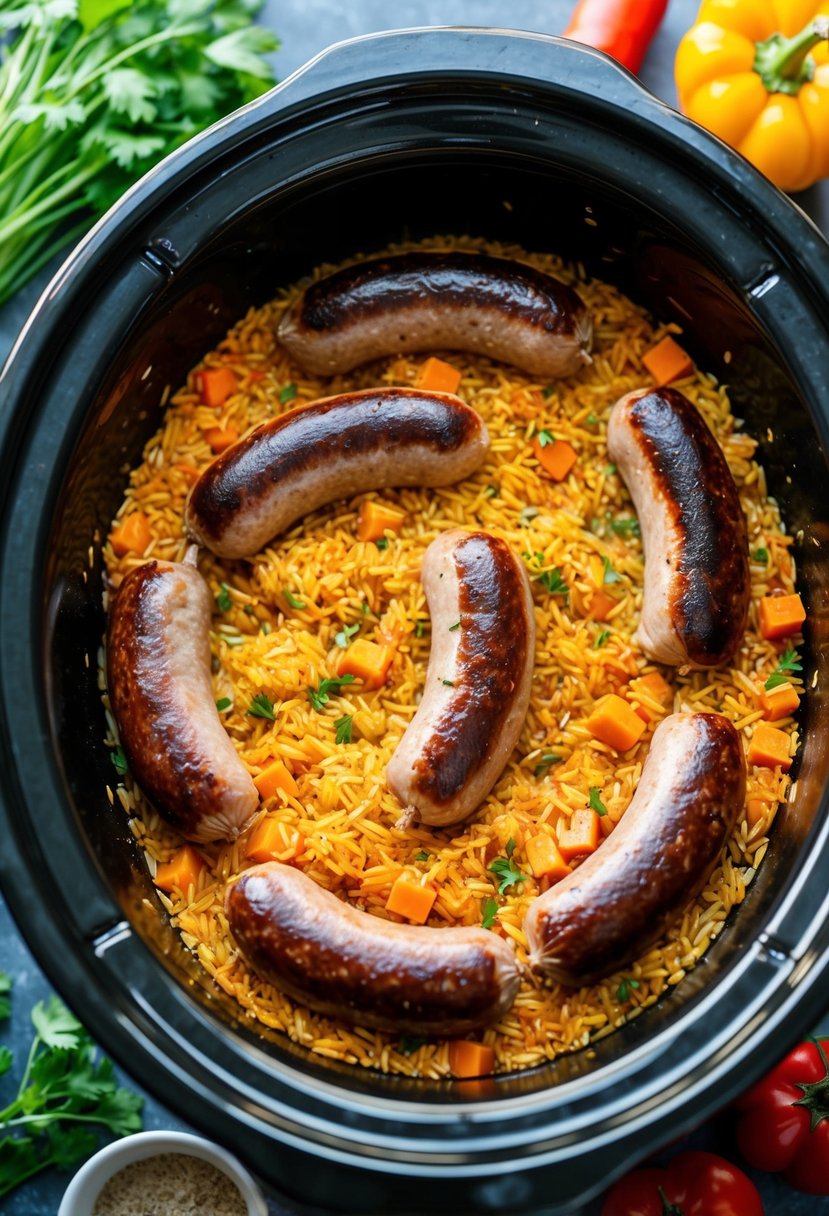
{"type": "Point", "coordinates": [546, 761]}
{"type": "Point", "coordinates": [223, 601]}
{"type": "Point", "coordinates": [761, 555]}
{"type": "Point", "coordinates": [344, 635]}
{"type": "Point", "coordinates": [452, 628]}
{"type": "Point", "coordinates": [419, 629]}
{"type": "Point", "coordinates": [261, 707]}
{"type": "Point", "coordinates": [448, 683]}
{"type": "Point", "coordinates": [592, 419]}
{"type": "Point", "coordinates": [610, 575]}
{"type": "Point", "coordinates": [65, 1088]}
{"type": "Point", "coordinates": [601, 639]}
{"type": "Point", "coordinates": [492, 491]}
{"type": "Point", "coordinates": [382, 542]}
{"type": "Point", "coordinates": [119, 760]}
{"type": "Point", "coordinates": [595, 801]}
{"type": "Point", "coordinates": [422, 855]}
{"type": "Point", "coordinates": [223, 703]}
{"type": "Point", "coordinates": [506, 871]}
{"type": "Point", "coordinates": [489, 910]}
{"type": "Point", "coordinates": [545, 438]}
{"type": "Point", "coordinates": [327, 689]}
{"type": "Point", "coordinates": [292, 600]}
{"type": "Point", "coordinates": [787, 664]}
{"type": "Point", "coordinates": [410, 1043]}
{"type": "Point", "coordinates": [548, 391]}
{"type": "Point", "coordinates": [5, 1003]}
{"type": "Point", "coordinates": [342, 728]}
{"type": "Point", "coordinates": [609, 469]}
{"type": "Point", "coordinates": [287, 393]}
{"type": "Point", "coordinates": [624, 990]}
{"type": "Point", "coordinates": [554, 582]}
{"type": "Point", "coordinates": [265, 628]}
{"type": "Point", "coordinates": [626, 527]}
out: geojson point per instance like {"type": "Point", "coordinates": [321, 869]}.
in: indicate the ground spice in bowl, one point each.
{"type": "Point", "coordinates": [170, 1184]}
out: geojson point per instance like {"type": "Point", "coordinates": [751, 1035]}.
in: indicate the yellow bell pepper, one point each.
{"type": "Point", "coordinates": [756, 73]}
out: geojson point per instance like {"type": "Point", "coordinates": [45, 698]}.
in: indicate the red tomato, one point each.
{"type": "Point", "coordinates": [785, 1121]}
{"type": "Point", "coordinates": [693, 1184]}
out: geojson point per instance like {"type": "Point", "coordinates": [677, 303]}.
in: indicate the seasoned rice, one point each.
{"type": "Point", "coordinates": [343, 815]}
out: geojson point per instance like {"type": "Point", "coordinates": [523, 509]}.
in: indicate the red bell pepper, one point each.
{"type": "Point", "coordinates": [784, 1125]}
{"type": "Point", "coordinates": [693, 1184]}
{"type": "Point", "coordinates": [621, 28]}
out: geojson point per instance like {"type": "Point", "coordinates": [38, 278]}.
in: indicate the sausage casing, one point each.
{"type": "Point", "coordinates": [608, 910]}
{"type": "Point", "coordinates": [478, 679]}
{"type": "Point", "coordinates": [158, 663]}
{"type": "Point", "coordinates": [331, 449]}
{"type": "Point", "coordinates": [362, 969]}
{"type": "Point", "coordinates": [426, 301]}
{"type": "Point", "coordinates": [697, 584]}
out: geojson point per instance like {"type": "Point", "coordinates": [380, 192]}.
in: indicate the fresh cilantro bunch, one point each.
{"type": "Point", "coordinates": [65, 1090]}
{"type": "Point", "coordinates": [94, 92]}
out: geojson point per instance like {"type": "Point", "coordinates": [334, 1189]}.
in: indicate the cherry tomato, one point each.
{"type": "Point", "coordinates": [693, 1184]}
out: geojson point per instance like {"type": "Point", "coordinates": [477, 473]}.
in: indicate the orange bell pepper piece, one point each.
{"type": "Point", "coordinates": [133, 535]}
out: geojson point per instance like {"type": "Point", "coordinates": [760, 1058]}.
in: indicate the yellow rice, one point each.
{"type": "Point", "coordinates": [343, 812]}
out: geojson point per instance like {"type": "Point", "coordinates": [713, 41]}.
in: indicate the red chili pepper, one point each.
{"type": "Point", "coordinates": [785, 1121]}
{"type": "Point", "coordinates": [694, 1184]}
{"type": "Point", "coordinates": [622, 28]}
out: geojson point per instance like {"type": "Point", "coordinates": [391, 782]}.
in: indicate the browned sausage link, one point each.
{"type": "Point", "coordinates": [439, 301]}
{"type": "Point", "coordinates": [158, 660]}
{"type": "Point", "coordinates": [697, 586]}
{"type": "Point", "coordinates": [361, 969]}
{"type": "Point", "coordinates": [327, 450]}
{"type": "Point", "coordinates": [613, 906]}
{"type": "Point", "coordinates": [478, 681]}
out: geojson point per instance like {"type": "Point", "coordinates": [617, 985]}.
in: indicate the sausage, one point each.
{"type": "Point", "coordinates": [331, 449]}
{"type": "Point", "coordinates": [158, 663]}
{"type": "Point", "coordinates": [477, 682]}
{"type": "Point", "coordinates": [697, 587]}
{"type": "Point", "coordinates": [428, 301]}
{"type": "Point", "coordinates": [612, 907]}
{"type": "Point", "coordinates": [362, 969]}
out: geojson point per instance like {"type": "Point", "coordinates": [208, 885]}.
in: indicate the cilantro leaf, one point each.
{"type": "Point", "coordinates": [422, 855]}
{"type": "Point", "coordinates": [601, 639]}
{"type": "Point", "coordinates": [287, 393]}
{"type": "Point", "coordinates": [327, 689]}
{"type": "Point", "coordinates": [610, 575]}
{"type": "Point", "coordinates": [545, 438]}
{"type": "Point", "coordinates": [6, 1058]}
{"type": "Point", "coordinates": [788, 664]}
{"type": "Point", "coordinates": [548, 759]}
{"type": "Point", "coordinates": [595, 801]}
{"type": "Point", "coordinates": [625, 988]}
{"type": "Point", "coordinates": [489, 912]}
{"type": "Point", "coordinates": [342, 727]}
{"type": "Point", "coordinates": [223, 600]}
{"type": "Point", "coordinates": [261, 707]}
{"type": "Point", "coordinates": [223, 703]}
{"type": "Point", "coordinates": [56, 1026]}
{"type": "Point", "coordinates": [344, 635]}
{"type": "Point", "coordinates": [506, 871]}
{"type": "Point", "coordinates": [626, 527]}
{"type": "Point", "coordinates": [761, 555]}
{"type": "Point", "coordinates": [119, 760]}
{"type": "Point", "coordinates": [240, 51]}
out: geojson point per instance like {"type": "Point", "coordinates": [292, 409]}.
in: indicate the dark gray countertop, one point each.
{"type": "Point", "coordinates": [305, 29]}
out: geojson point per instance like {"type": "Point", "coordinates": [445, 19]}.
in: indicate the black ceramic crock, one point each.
{"type": "Point", "coordinates": [504, 135]}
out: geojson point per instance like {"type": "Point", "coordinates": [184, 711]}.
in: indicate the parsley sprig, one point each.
{"type": "Point", "coordinates": [327, 689]}
{"type": "Point", "coordinates": [93, 93]}
{"type": "Point", "coordinates": [506, 870]}
{"type": "Point", "coordinates": [65, 1091]}
{"type": "Point", "coordinates": [788, 664]}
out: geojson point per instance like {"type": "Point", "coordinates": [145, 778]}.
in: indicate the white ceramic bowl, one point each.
{"type": "Point", "coordinates": [91, 1178]}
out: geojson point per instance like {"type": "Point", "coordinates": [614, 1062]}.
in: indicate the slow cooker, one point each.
{"type": "Point", "coordinates": [493, 133]}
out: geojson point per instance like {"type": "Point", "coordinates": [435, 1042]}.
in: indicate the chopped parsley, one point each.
{"type": "Point", "coordinates": [382, 542]}
{"type": "Point", "coordinates": [248, 609]}
{"type": "Point", "coordinates": [344, 635]}
{"type": "Point", "coordinates": [422, 855]}
{"type": "Point", "coordinates": [287, 393]}
{"type": "Point", "coordinates": [452, 628]}
{"type": "Point", "coordinates": [292, 600]}
{"type": "Point", "coordinates": [448, 683]}
{"type": "Point", "coordinates": [623, 992]}
{"type": "Point", "coordinates": [410, 1043]}
{"type": "Point", "coordinates": [489, 911]}
{"type": "Point", "coordinates": [223, 601]}
{"type": "Point", "coordinates": [595, 801]}
{"type": "Point", "coordinates": [327, 689]}
{"type": "Point", "coordinates": [545, 438]}
{"type": "Point", "coordinates": [601, 639]}
{"type": "Point", "coordinates": [419, 629]}
{"type": "Point", "coordinates": [787, 664]}
{"type": "Point", "coordinates": [506, 870]}
{"type": "Point", "coordinates": [592, 419]}
{"type": "Point", "coordinates": [492, 491]}
{"type": "Point", "coordinates": [546, 761]}
{"type": "Point", "coordinates": [119, 760]}
{"type": "Point", "coordinates": [761, 555]}
{"type": "Point", "coordinates": [548, 392]}
{"type": "Point", "coordinates": [342, 727]}
{"type": "Point", "coordinates": [554, 582]}
{"type": "Point", "coordinates": [223, 703]}
{"type": "Point", "coordinates": [261, 707]}
{"type": "Point", "coordinates": [626, 527]}
{"type": "Point", "coordinates": [609, 469]}
{"type": "Point", "coordinates": [610, 575]}
{"type": "Point", "coordinates": [265, 628]}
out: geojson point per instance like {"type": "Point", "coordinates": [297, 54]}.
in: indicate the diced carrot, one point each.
{"type": "Point", "coordinates": [556, 458]}
{"type": "Point", "coordinates": [410, 898]}
{"type": "Point", "coordinates": [132, 535]}
{"type": "Point", "coordinates": [667, 361]}
{"type": "Point", "coordinates": [654, 687]}
{"type": "Point", "coordinates": [582, 836]}
{"type": "Point", "coordinates": [615, 722]}
{"type": "Point", "coordinates": [470, 1059]}
{"type": "Point", "coordinates": [273, 840]}
{"type": "Point", "coordinates": [779, 702]}
{"type": "Point", "coordinates": [367, 661]}
{"type": "Point", "coordinates": [216, 384]}
{"type": "Point", "coordinates": [374, 517]}
{"type": "Point", "coordinates": [438, 377]}
{"type": "Point", "coordinates": [769, 748]}
{"type": "Point", "coordinates": [275, 776]}
{"type": "Point", "coordinates": [601, 605]}
{"type": "Point", "coordinates": [780, 615]}
{"type": "Point", "coordinates": [756, 809]}
{"type": "Point", "coordinates": [221, 438]}
{"type": "Point", "coordinates": [544, 857]}
{"type": "Point", "coordinates": [181, 871]}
